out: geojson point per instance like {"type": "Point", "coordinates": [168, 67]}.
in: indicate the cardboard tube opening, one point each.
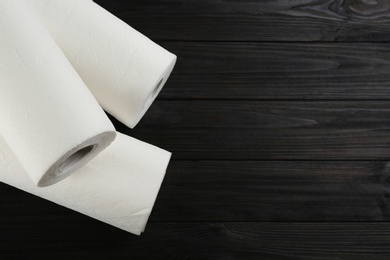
{"type": "Point", "coordinates": [75, 158]}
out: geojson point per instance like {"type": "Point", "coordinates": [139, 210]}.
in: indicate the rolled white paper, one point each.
{"type": "Point", "coordinates": [119, 186]}
{"type": "Point", "coordinates": [48, 117]}
{"type": "Point", "coordinates": [124, 70]}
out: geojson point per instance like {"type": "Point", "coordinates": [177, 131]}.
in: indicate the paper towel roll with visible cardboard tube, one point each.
{"type": "Point", "coordinates": [119, 186]}
{"type": "Point", "coordinates": [124, 70]}
{"type": "Point", "coordinates": [48, 117]}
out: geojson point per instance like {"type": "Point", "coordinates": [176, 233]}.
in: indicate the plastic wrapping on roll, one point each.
{"type": "Point", "coordinates": [48, 117]}
{"type": "Point", "coordinates": [124, 70]}
{"type": "Point", "coordinates": [119, 186]}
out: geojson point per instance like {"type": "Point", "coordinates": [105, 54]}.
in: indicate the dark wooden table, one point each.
{"type": "Point", "coordinates": [278, 117]}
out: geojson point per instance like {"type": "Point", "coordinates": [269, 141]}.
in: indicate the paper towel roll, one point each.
{"type": "Point", "coordinates": [118, 187]}
{"type": "Point", "coordinates": [124, 70]}
{"type": "Point", "coordinates": [48, 117]}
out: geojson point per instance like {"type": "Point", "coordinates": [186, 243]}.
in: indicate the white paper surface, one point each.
{"type": "Point", "coordinates": [47, 114]}
{"type": "Point", "coordinates": [124, 70]}
{"type": "Point", "coordinates": [119, 186]}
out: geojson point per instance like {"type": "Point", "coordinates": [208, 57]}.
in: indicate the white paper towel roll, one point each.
{"type": "Point", "coordinates": [48, 117]}
{"type": "Point", "coordinates": [124, 70]}
{"type": "Point", "coordinates": [118, 187]}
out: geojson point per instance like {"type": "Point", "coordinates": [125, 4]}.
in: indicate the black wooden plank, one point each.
{"type": "Point", "coordinates": [207, 240]}
{"type": "Point", "coordinates": [272, 115]}
{"type": "Point", "coordinates": [279, 71]}
{"type": "Point", "coordinates": [266, 144]}
{"type": "Point", "coordinates": [244, 191]}
{"type": "Point", "coordinates": [237, 130]}
{"type": "Point", "coordinates": [274, 191]}
{"type": "Point", "coordinates": [295, 20]}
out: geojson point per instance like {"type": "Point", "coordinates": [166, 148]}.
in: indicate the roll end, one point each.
{"type": "Point", "coordinates": [76, 158]}
{"type": "Point", "coordinates": [132, 122]}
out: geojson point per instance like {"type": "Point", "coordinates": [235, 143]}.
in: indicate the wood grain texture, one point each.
{"type": "Point", "coordinates": [270, 20]}
{"type": "Point", "coordinates": [207, 240]}
{"type": "Point", "coordinates": [271, 115]}
{"type": "Point", "coordinates": [258, 144]}
{"type": "Point", "coordinates": [257, 130]}
{"type": "Point", "coordinates": [279, 71]}
{"type": "Point", "coordinates": [274, 191]}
